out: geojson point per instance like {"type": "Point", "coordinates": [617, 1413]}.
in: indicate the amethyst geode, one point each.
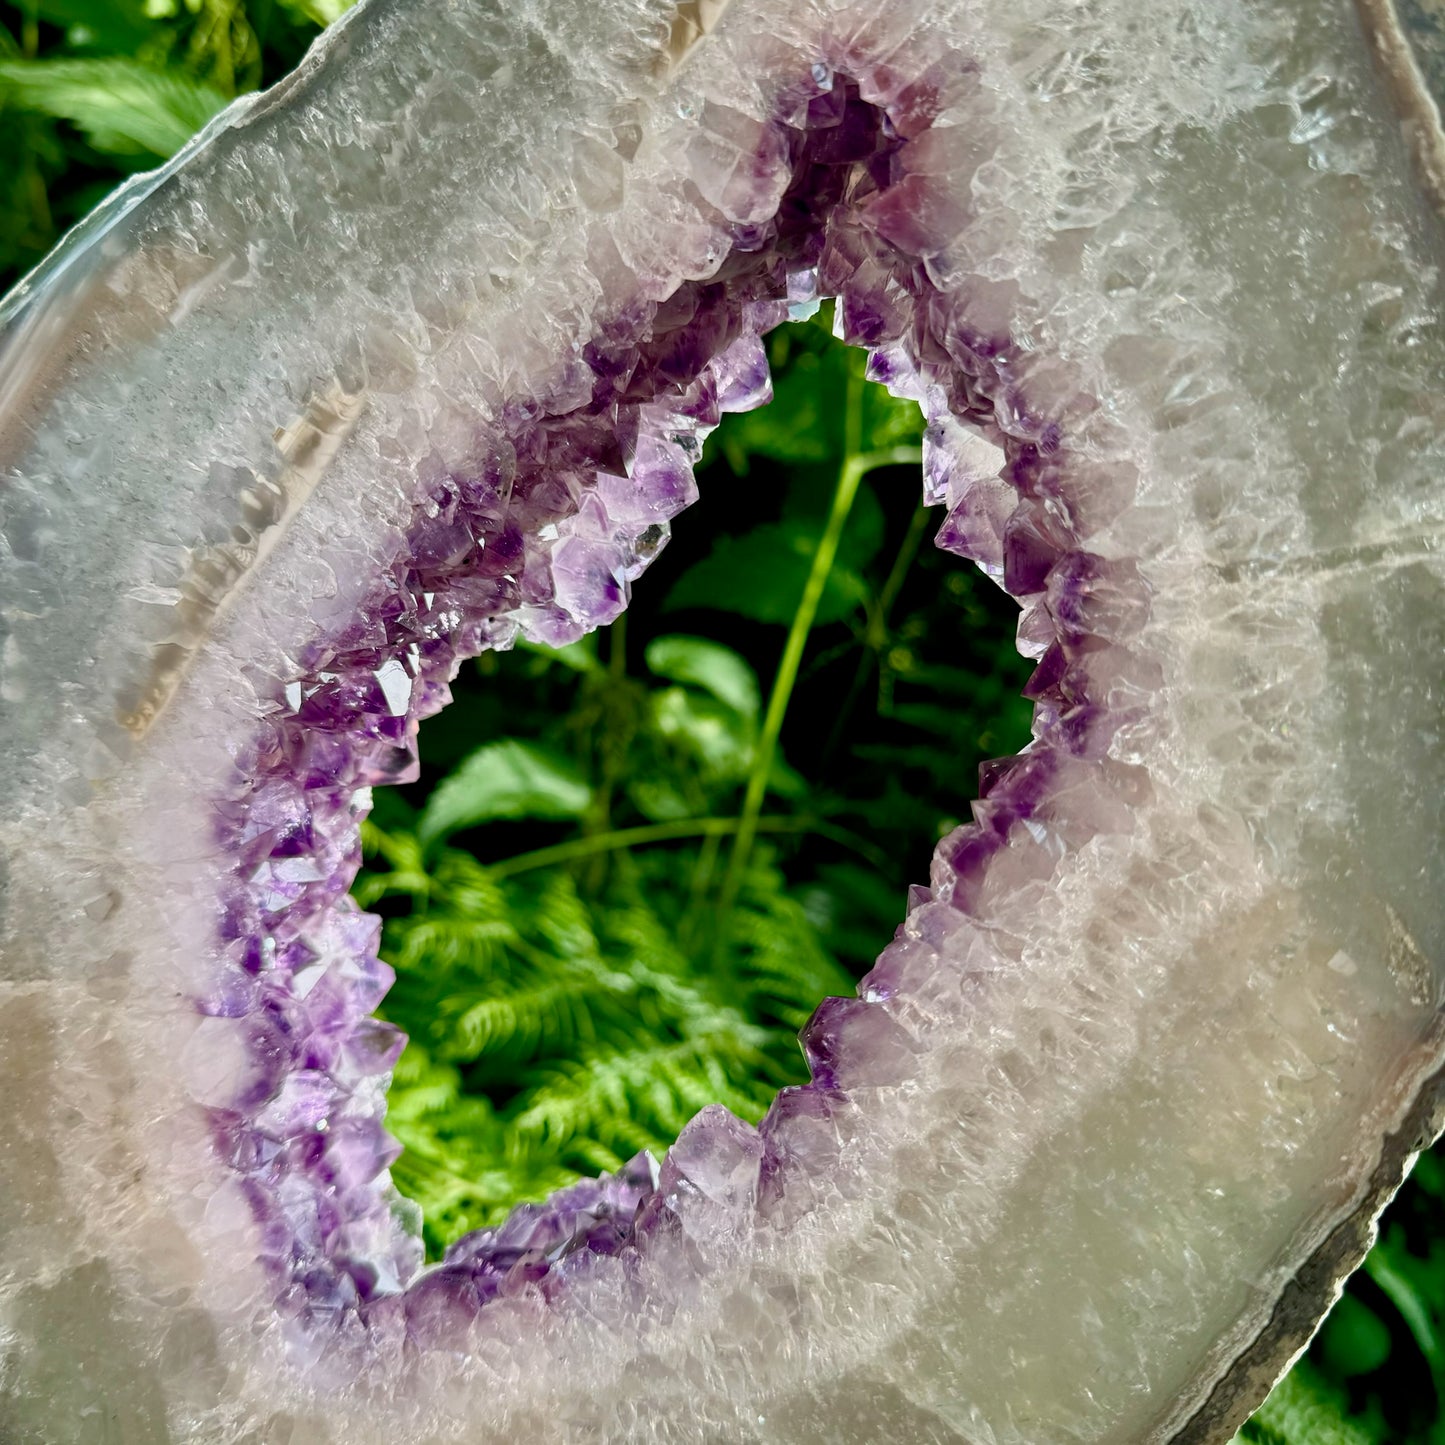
{"type": "Point", "coordinates": [562, 508]}
{"type": "Point", "coordinates": [1153, 1040]}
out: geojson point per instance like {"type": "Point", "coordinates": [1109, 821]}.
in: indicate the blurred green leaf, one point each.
{"type": "Point", "coordinates": [660, 799]}
{"type": "Point", "coordinates": [718, 736]}
{"type": "Point", "coordinates": [708, 665]}
{"type": "Point", "coordinates": [853, 908]}
{"type": "Point", "coordinates": [123, 107]}
{"type": "Point", "coordinates": [119, 26]}
{"type": "Point", "coordinates": [317, 12]}
{"type": "Point", "coordinates": [1304, 1410]}
{"type": "Point", "coordinates": [1416, 1287]}
{"type": "Point", "coordinates": [1429, 1175]}
{"type": "Point", "coordinates": [890, 421]}
{"type": "Point", "coordinates": [1354, 1339]}
{"type": "Point", "coordinates": [580, 656]}
{"type": "Point", "coordinates": [508, 779]}
{"type": "Point", "coordinates": [391, 812]}
{"type": "Point", "coordinates": [802, 423]}
{"type": "Point", "coordinates": [761, 576]}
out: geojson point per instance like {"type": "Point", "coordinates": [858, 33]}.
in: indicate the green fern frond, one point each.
{"type": "Point", "coordinates": [517, 1024]}
{"type": "Point", "coordinates": [421, 1086]}
{"type": "Point", "coordinates": [123, 106]}
{"type": "Point", "coordinates": [443, 943]}
{"type": "Point", "coordinates": [640, 1098]}
{"type": "Point", "coordinates": [556, 1034]}
{"type": "Point", "coordinates": [781, 960]}
{"type": "Point", "coordinates": [563, 923]}
{"type": "Point", "coordinates": [405, 873]}
{"type": "Point", "coordinates": [469, 889]}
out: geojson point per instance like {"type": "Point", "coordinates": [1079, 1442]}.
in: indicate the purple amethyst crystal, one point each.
{"type": "Point", "coordinates": [591, 479]}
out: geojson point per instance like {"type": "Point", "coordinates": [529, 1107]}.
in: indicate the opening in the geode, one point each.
{"type": "Point", "coordinates": [632, 867]}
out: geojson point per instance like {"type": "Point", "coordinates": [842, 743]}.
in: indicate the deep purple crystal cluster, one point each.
{"type": "Point", "coordinates": [568, 500]}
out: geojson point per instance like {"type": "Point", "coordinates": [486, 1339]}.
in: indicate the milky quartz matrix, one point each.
{"type": "Point", "coordinates": [413, 356]}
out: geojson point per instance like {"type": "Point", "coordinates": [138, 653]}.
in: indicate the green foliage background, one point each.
{"type": "Point", "coordinates": [92, 91]}
{"type": "Point", "coordinates": [679, 836]}
{"type": "Point", "coordinates": [622, 882]}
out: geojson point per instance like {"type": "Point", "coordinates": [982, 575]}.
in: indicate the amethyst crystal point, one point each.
{"type": "Point", "coordinates": [806, 1133]}
{"type": "Point", "coordinates": [717, 1156]}
{"type": "Point", "coordinates": [1177, 981]}
{"type": "Point", "coordinates": [852, 1044]}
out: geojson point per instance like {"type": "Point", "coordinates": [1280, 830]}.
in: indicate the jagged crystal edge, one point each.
{"type": "Point", "coordinates": [569, 501]}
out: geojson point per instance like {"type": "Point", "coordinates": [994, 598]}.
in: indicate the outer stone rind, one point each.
{"type": "Point", "coordinates": [1176, 970]}
{"type": "Point", "coordinates": [1318, 1284]}
{"type": "Point", "coordinates": [1410, 68]}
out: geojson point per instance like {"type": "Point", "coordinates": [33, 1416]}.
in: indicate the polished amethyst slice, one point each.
{"type": "Point", "coordinates": [1087, 1154]}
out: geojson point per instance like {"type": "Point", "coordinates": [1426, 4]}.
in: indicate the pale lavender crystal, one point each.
{"type": "Point", "coordinates": [717, 1159]}
{"type": "Point", "coordinates": [852, 1044]}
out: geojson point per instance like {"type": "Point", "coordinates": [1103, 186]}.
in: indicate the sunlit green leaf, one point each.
{"type": "Point", "coordinates": [508, 779]}
{"type": "Point", "coordinates": [890, 421]}
{"type": "Point", "coordinates": [719, 737]}
{"type": "Point", "coordinates": [123, 107]}
{"type": "Point", "coordinates": [317, 12]}
{"type": "Point", "coordinates": [708, 665]}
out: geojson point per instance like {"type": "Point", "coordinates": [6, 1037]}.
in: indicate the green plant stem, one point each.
{"type": "Point", "coordinates": [875, 639]}
{"type": "Point", "coordinates": [853, 408]}
{"type": "Point", "coordinates": [613, 749]}
{"type": "Point", "coordinates": [855, 467]}
{"type": "Point", "coordinates": [710, 828]}
{"type": "Point", "coordinates": [695, 914]}
{"type": "Point", "coordinates": [907, 551]}
{"type": "Point", "coordinates": [620, 838]}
